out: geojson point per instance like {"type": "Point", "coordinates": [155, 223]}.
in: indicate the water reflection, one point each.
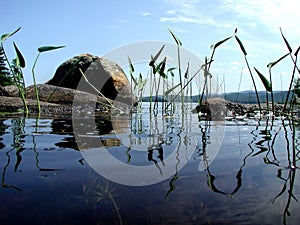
{"type": "Point", "coordinates": [255, 172]}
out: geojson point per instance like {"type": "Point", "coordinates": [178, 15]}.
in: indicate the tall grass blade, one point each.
{"type": "Point", "coordinates": [130, 65]}
{"type": "Point", "coordinates": [187, 71]}
{"type": "Point", "coordinates": [266, 83]}
{"type": "Point", "coordinates": [108, 100]}
{"type": "Point", "coordinates": [171, 69]}
{"type": "Point", "coordinates": [162, 68]}
{"type": "Point", "coordinates": [286, 42]}
{"type": "Point", "coordinates": [297, 51]}
{"type": "Point", "coordinates": [214, 46]}
{"type": "Point", "coordinates": [49, 48]}
{"type": "Point", "coordinates": [176, 39]}
{"type": "Point", "coordinates": [171, 89]}
{"type": "Point", "coordinates": [131, 70]}
{"type": "Point", "coordinates": [270, 65]}
{"type": "Point", "coordinates": [141, 83]}
{"type": "Point", "coordinates": [20, 58]}
{"type": "Point", "coordinates": [153, 59]}
{"type": "Point", "coordinates": [5, 36]}
{"type": "Point", "coordinates": [241, 45]}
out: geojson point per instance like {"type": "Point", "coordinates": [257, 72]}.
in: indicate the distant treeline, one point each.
{"type": "Point", "coordinates": [244, 97]}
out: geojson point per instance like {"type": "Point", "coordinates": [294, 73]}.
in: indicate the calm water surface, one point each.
{"type": "Point", "coordinates": [221, 173]}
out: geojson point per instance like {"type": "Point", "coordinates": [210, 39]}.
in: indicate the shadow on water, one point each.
{"type": "Point", "coordinates": [251, 179]}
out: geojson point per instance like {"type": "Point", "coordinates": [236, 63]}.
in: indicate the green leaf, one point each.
{"type": "Point", "coordinates": [296, 52]}
{"type": "Point", "coordinates": [130, 65]}
{"type": "Point", "coordinates": [153, 59]}
{"type": "Point", "coordinates": [241, 45]}
{"type": "Point", "coordinates": [141, 83]}
{"type": "Point", "coordinates": [171, 69]}
{"type": "Point", "coordinates": [214, 46]}
{"type": "Point", "coordinates": [270, 65]}
{"type": "Point", "coordinates": [187, 71]}
{"type": "Point", "coordinates": [49, 48]}
{"type": "Point", "coordinates": [178, 42]}
{"type": "Point", "coordinates": [172, 89]}
{"type": "Point", "coordinates": [20, 57]}
{"type": "Point", "coordinates": [286, 42]}
{"type": "Point", "coordinates": [266, 83]}
{"type": "Point", "coordinates": [162, 68]}
{"type": "Point", "coordinates": [172, 74]}
{"type": "Point", "coordinates": [5, 36]}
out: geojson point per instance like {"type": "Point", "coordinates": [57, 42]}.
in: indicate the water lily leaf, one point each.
{"type": "Point", "coordinates": [286, 42]}
{"type": "Point", "coordinates": [5, 36]}
{"type": "Point", "coordinates": [49, 48]}
{"type": "Point", "coordinates": [266, 83]}
{"type": "Point", "coordinates": [241, 45]}
{"type": "Point", "coordinates": [270, 65]}
{"type": "Point", "coordinates": [20, 57]}
{"type": "Point", "coordinates": [178, 42]}
{"type": "Point", "coordinates": [214, 46]}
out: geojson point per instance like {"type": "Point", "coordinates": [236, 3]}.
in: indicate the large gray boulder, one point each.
{"type": "Point", "coordinates": [105, 75]}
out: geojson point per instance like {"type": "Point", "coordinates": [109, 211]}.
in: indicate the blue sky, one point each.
{"type": "Point", "coordinates": [97, 27]}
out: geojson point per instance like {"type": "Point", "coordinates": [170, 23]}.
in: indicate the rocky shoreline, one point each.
{"type": "Point", "coordinates": [60, 103]}
{"type": "Point", "coordinates": [67, 92]}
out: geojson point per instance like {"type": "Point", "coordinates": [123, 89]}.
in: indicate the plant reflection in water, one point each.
{"type": "Point", "coordinates": [267, 137]}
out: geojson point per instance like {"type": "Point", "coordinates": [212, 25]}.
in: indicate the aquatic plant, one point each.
{"type": "Point", "coordinates": [11, 72]}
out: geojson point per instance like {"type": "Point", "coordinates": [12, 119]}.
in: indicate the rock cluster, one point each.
{"type": "Point", "coordinates": [57, 95]}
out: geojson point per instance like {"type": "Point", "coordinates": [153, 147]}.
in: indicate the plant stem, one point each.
{"type": "Point", "coordinates": [35, 86]}
{"type": "Point", "coordinates": [254, 85]}
{"type": "Point", "coordinates": [291, 82]}
{"type": "Point", "coordinates": [272, 96]}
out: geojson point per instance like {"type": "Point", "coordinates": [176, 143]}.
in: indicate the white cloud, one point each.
{"type": "Point", "coordinates": [230, 13]}
{"type": "Point", "coordinates": [145, 13]}
{"type": "Point", "coordinates": [124, 21]}
{"type": "Point", "coordinates": [272, 14]}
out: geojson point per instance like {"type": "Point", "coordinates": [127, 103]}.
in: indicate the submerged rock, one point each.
{"type": "Point", "coordinates": [103, 74]}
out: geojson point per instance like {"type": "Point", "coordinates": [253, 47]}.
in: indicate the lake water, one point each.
{"type": "Point", "coordinates": [148, 169]}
